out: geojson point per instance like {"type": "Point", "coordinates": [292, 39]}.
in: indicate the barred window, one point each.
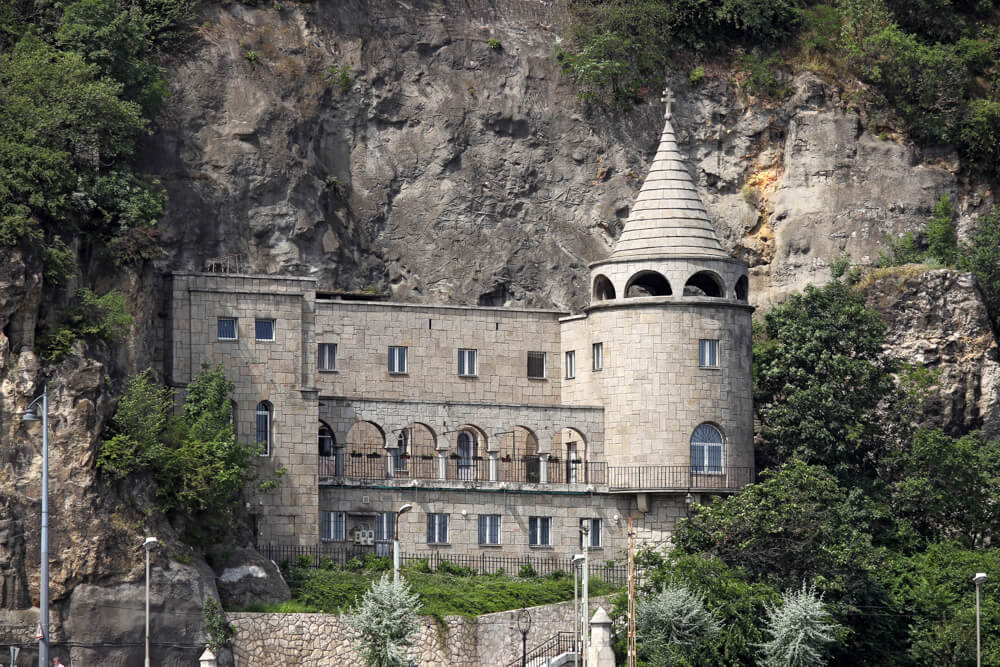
{"type": "Point", "coordinates": [385, 526]}
{"type": "Point", "coordinates": [489, 529]}
{"type": "Point", "coordinates": [539, 533]}
{"type": "Point", "coordinates": [265, 414]}
{"type": "Point", "coordinates": [708, 353]}
{"type": "Point", "coordinates": [227, 328]}
{"type": "Point", "coordinates": [264, 329]}
{"type": "Point", "coordinates": [536, 364]}
{"type": "Point", "coordinates": [467, 362]}
{"type": "Point", "coordinates": [326, 357]}
{"type": "Point", "coordinates": [437, 529]}
{"type": "Point", "coordinates": [593, 537]}
{"type": "Point", "coordinates": [397, 359]}
{"type": "Point", "coordinates": [333, 527]}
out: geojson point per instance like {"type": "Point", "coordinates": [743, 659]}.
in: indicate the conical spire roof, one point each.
{"type": "Point", "coordinates": [668, 218]}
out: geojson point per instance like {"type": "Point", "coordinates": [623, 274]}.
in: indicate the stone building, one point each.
{"type": "Point", "coordinates": [507, 430]}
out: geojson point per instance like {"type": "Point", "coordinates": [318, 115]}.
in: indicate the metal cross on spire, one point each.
{"type": "Point", "coordinates": [668, 99]}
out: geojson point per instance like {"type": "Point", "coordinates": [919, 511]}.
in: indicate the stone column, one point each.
{"type": "Point", "coordinates": [390, 462]}
{"type": "Point", "coordinates": [338, 460]}
{"type": "Point", "coordinates": [543, 468]}
{"type": "Point", "coordinates": [494, 465]}
{"type": "Point", "coordinates": [442, 465]}
{"type": "Point", "coordinates": [600, 653]}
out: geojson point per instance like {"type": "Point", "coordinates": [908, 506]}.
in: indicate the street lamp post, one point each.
{"type": "Point", "coordinates": [43, 583]}
{"type": "Point", "coordinates": [977, 580]}
{"type": "Point", "coordinates": [395, 541]}
{"type": "Point", "coordinates": [524, 626]}
{"type": "Point", "coordinates": [585, 619]}
{"type": "Point", "coordinates": [148, 544]}
{"type": "Point", "coordinates": [576, 611]}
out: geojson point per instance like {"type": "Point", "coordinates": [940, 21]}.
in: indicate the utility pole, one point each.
{"type": "Point", "coordinates": [630, 636]}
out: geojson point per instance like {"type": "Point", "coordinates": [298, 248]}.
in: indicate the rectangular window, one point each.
{"type": "Point", "coordinates": [597, 350]}
{"type": "Point", "coordinates": [437, 529]}
{"type": "Point", "coordinates": [264, 428]}
{"type": "Point", "coordinates": [264, 329]}
{"type": "Point", "coordinates": [333, 527]}
{"type": "Point", "coordinates": [326, 359]}
{"type": "Point", "coordinates": [385, 526]}
{"type": "Point", "coordinates": [397, 359]}
{"type": "Point", "coordinates": [570, 364]}
{"type": "Point", "coordinates": [227, 328]}
{"type": "Point", "coordinates": [708, 353]}
{"type": "Point", "coordinates": [706, 458]}
{"type": "Point", "coordinates": [489, 529]}
{"type": "Point", "coordinates": [593, 537]}
{"type": "Point", "coordinates": [536, 364]}
{"type": "Point", "coordinates": [539, 534]}
{"type": "Point", "coordinates": [467, 362]}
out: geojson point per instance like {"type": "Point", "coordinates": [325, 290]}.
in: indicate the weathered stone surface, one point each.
{"type": "Point", "coordinates": [249, 578]}
{"type": "Point", "coordinates": [937, 319]}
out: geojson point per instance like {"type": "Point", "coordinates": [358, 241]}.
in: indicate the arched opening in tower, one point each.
{"type": "Point", "coordinates": [603, 289]}
{"type": "Point", "coordinates": [703, 283]}
{"type": "Point", "coordinates": [742, 288]}
{"type": "Point", "coordinates": [647, 283]}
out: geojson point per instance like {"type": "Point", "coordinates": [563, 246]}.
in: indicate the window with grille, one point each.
{"type": "Point", "coordinates": [570, 364]}
{"type": "Point", "coordinates": [385, 526]}
{"type": "Point", "coordinates": [489, 529]}
{"type": "Point", "coordinates": [593, 537]}
{"type": "Point", "coordinates": [437, 529]}
{"type": "Point", "coordinates": [708, 353]}
{"type": "Point", "coordinates": [326, 358]}
{"type": "Point", "coordinates": [539, 531]}
{"type": "Point", "coordinates": [397, 359]}
{"type": "Point", "coordinates": [263, 329]}
{"type": "Point", "coordinates": [467, 362]}
{"type": "Point", "coordinates": [333, 527]}
{"type": "Point", "coordinates": [536, 364]}
{"type": "Point", "coordinates": [265, 414]}
{"type": "Point", "coordinates": [597, 350]}
{"type": "Point", "coordinates": [706, 450]}
{"type": "Point", "coordinates": [227, 328]}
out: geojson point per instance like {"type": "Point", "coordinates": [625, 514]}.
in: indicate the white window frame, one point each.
{"type": "Point", "coordinates": [490, 528]}
{"type": "Point", "coordinates": [594, 537]}
{"type": "Point", "coordinates": [256, 324]}
{"type": "Point", "coordinates": [267, 413]}
{"type": "Point", "coordinates": [333, 526]}
{"type": "Point", "coordinates": [397, 359]}
{"type": "Point", "coordinates": [597, 356]}
{"type": "Point", "coordinates": [438, 524]}
{"type": "Point", "coordinates": [468, 362]}
{"type": "Point", "coordinates": [539, 527]}
{"type": "Point", "coordinates": [700, 452]}
{"type": "Point", "coordinates": [570, 364]}
{"type": "Point", "coordinates": [236, 328]}
{"type": "Point", "coordinates": [326, 357]}
{"type": "Point", "coordinates": [385, 526]}
{"type": "Point", "coordinates": [545, 364]}
{"type": "Point", "coordinates": [708, 353]}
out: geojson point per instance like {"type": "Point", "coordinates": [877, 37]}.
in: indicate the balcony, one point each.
{"type": "Point", "coordinates": [677, 478]}
{"type": "Point", "coordinates": [377, 463]}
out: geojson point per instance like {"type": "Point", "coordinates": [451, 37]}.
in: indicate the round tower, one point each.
{"type": "Point", "coordinates": [670, 321]}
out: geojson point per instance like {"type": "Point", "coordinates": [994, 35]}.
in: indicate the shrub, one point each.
{"type": "Point", "coordinates": [674, 623]}
{"type": "Point", "coordinates": [447, 567]}
{"type": "Point", "coordinates": [384, 620]}
{"type": "Point", "coordinates": [220, 632]}
{"type": "Point", "coordinates": [339, 76]}
{"type": "Point", "coordinates": [102, 317]}
{"type": "Point", "coordinates": [696, 75]}
{"type": "Point", "coordinates": [527, 571]}
{"type": "Point", "coordinates": [800, 630]}
{"type": "Point", "coordinates": [495, 44]}
{"type": "Point", "coordinates": [252, 57]}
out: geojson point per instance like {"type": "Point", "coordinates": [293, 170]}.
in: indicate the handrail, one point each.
{"type": "Point", "coordinates": [679, 478]}
{"type": "Point", "coordinates": [557, 644]}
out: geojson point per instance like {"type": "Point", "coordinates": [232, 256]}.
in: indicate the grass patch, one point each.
{"type": "Point", "coordinates": [335, 591]}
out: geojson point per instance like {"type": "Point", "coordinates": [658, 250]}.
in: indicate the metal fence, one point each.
{"type": "Point", "coordinates": [677, 478]}
{"type": "Point", "coordinates": [557, 644]}
{"type": "Point", "coordinates": [341, 557]}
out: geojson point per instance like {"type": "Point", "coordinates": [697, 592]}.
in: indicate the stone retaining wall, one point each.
{"type": "Point", "coordinates": [325, 640]}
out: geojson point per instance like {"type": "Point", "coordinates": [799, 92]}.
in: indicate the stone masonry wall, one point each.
{"type": "Point", "coordinates": [324, 640]}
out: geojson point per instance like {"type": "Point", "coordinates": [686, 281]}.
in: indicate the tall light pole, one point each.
{"type": "Point", "coordinates": [585, 539]}
{"type": "Point", "coordinates": [576, 611]}
{"type": "Point", "coordinates": [395, 541]}
{"type": "Point", "coordinates": [43, 583]}
{"type": "Point", "coordinates": [149, 543]}
{"type": "Point", "coordinates": [978, 579]}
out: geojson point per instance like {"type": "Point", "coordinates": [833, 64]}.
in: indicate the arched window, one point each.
{"type": "Point", "coordinates": [400, 455]}
{"type": "Point", "coordinates": [265, 415]}
{"type": "Point", "coordinates": [466, 455]}
{"type": "Point", "coordinates": [647, 283]}
{"type": "Point", "coordinates": [741, 288]}
{"type": "Point", "coordinates": [703, 283]}
{"type": "Point", "coordinates": [706, 450]}
{"type": "Point", "coordinates": [603, 289]}
{"type": "Point", "coordinates": [326, 440]}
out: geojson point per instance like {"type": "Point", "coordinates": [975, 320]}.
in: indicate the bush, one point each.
{"type": "Point", "coordinates": [527, 571]}
{"type": "Point", "coordinates": [384, 620]}
{"type": "Point", "coordinates": [800, 629]}
{"type": "Point", "coordinates": [447, 567]}
{"type": "Point", "coordinates": [673, 624]}
{"type": "Point", "coordinates": [102, 317]}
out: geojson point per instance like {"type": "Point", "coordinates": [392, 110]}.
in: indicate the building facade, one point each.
{"type": "Point", "coordinates": [506, 430]}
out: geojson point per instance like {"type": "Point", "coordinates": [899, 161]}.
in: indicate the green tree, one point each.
{"type": "Point", "coordinates": [942, 241]}
{"type": "Point", "coordinates": [801, 630]}
{"type": "Point", "coordinates": [673, 625]}
{"type": "Point", "coordinates": [981, 256]}
{"type": "Point", "coordinates": [819, 377]}
{"type": "Point", "coordinates": [384, 622]}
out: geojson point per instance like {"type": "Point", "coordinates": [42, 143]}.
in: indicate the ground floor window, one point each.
{"type": "Point", "coordinates": [489, 529]}
{"type": "Point", "coordinates": [539, 529]}
{"type": "Point", "coordinates": [593, 536]}
{"type": "Point", "coordinates": [437, 529]}
{"type": "Point", "coordinates": [333, 527]}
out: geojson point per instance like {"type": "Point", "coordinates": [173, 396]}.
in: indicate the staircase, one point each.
{"type": "Point", "coordinates": [556, 651]}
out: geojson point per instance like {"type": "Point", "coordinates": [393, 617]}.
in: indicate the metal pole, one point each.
{"type": "Point", "coordinates": [586, 606]}
{"type": "Point", "coordinates": [524, 649]}
{"type": "Point", "coordinates": [576, 619]}
{"type": "Point", "coordinates": [43, 594]}
{"type": "Point", "coordinates": [978, 647]}
{"type": "Point", "coordinates": [147, 605]}
{"type": "Point", "coordinates": [395, 557]}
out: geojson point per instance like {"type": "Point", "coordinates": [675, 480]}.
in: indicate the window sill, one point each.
{"type": "Point", "coordinates": [398, 373]}
{"type": "Point", "coordinates": [542, 547]}
{"type": "Point", "coordinates": [710, 368]}
{"type": "Point", "coordinates": [538, 379]}
{"type": "Point", "coordinates": [596, 370]}
{"type": "Point", "coordinates": [439, 544]}
{"type": "Point", "coordinates": [327, 370]}
{"type": "Point", "coordinates": [467, 376]}
{"type": "Point", "coordinates": [570, 377]}
{"type": "Point", "coordinates": [263, 340]}
{"type": "Point", "coordinates": [490, 546]}
{"type": "Point", "coordinates": [227, 340]}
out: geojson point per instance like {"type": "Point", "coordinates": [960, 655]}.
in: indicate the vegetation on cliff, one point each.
{"type": "Point", "coordinates": [932, 61]}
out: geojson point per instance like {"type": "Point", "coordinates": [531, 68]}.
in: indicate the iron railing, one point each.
{"type": "Point", "coordinates": [339, 556]}
{"type": "Point", "coordinates": [678, 478]}
{"type": "Point", "coordinates": [563, 642]}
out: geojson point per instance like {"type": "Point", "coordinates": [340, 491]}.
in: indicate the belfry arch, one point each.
{"type": "Point", "coordinates": [647, 283]}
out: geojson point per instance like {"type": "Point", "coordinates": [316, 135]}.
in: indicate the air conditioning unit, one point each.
{"type": "Point", "coordinates": [367, 537]}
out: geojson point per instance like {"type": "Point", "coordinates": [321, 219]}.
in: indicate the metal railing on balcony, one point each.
{"type": "Point", "coordinates": [372, 462]}
{"type": "Point", "coordinates": [678, 478]}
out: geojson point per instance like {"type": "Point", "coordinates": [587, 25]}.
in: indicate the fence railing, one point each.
{"type": "Point", "coordinates": [563, 642]}
{"type": "Point", "coordinates": [678, 477]}
{"type": "Point", "coordinates": [340, 556]}
{"type": "Point", "coordinates": [372, 463]}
